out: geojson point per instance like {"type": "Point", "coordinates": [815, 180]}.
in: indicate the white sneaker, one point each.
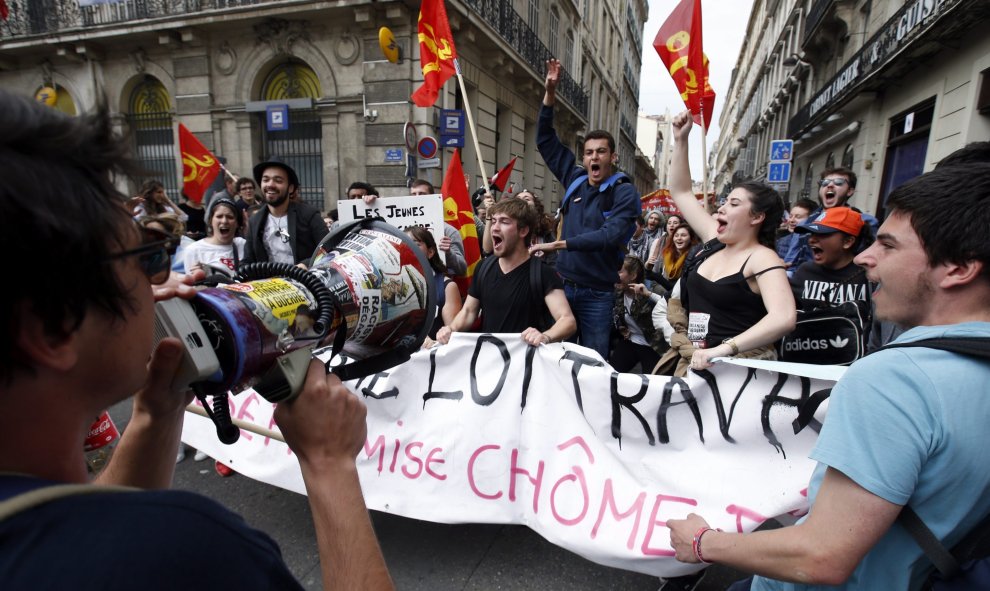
{"type": "Point", "coordinates": [200, 456]}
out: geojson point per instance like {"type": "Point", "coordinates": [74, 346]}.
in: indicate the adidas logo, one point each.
{"type": "Point", "coordinates": [838, 342]}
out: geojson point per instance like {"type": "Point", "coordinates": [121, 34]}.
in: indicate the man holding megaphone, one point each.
{"type": "Point", "coordinates": [77, 338]}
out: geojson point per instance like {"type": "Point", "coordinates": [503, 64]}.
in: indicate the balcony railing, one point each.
{"type": "Point", "coordinates": [41, 17]}
{"type": "Point", "coordinates": [511, 27]}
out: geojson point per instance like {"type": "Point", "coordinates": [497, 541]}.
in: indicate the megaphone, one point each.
{"type": "Point", "coordinates": [369, 294]}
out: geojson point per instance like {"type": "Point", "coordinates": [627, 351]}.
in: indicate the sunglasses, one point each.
{"type": "Point", "coordinates": [836, 182]}
{"type": "Point", "coordinates": [154, 255]}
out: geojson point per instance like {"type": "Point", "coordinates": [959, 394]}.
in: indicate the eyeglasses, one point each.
{"type": "Point", "coordinates": [154, 254]}
{"type": "Point", "coordinates": [836, 182]}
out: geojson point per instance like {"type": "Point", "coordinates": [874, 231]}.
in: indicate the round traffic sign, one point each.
{"type": "Point", "coordinates": [427, 147]}
{"type": "Point", "coordinates": [409, 132]}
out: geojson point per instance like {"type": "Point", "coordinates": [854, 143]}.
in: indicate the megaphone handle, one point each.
{"type": "Point", "coordinates": [227, 433]}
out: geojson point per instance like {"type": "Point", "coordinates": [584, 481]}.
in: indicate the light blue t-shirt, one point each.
{"type": "Point", "coordinates": [910, 426]}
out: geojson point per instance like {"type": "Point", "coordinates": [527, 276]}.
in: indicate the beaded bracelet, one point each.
{"type": "Point", "coordinates": [696, 543]}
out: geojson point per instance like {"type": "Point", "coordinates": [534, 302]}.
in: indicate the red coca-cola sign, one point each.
{"type": "Point", "coordinates": [101, 433]}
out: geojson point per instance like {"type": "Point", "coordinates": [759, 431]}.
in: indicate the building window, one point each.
{"type": "Point", "coordinates": [552, 34]}
{"type": "Point", "coordinates": [149, 117]}
{"type": "Point", "coordinates": [847, 157]}
{"type": "Point", "coordinates": [806, 192]}
{"type": "Point", "coordinates": [534, 16]}
{"type": "Point", "coordinates": [830, 160]}
{"type": "Point", "coordinates": [569, 51]}
{"type": "Point", "coordinates": [983, 102]}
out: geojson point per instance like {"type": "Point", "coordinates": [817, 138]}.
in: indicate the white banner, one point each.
{"type": "Point", "coordinates": [490, 430]}
{"type": "Point", "coordinates": [401, 212]}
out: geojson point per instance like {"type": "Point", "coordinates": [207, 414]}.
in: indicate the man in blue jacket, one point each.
{"type": "Point", "coordinates": [597, 219]}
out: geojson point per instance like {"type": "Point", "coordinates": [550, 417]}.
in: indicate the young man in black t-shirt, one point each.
{"type": "Point", "coordinates": [503, 287]}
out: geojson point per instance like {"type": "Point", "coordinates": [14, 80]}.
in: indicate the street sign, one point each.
{"type": "Point", "coordinates": [429, 163]}
{"type": "Point", "coordinates": [781, 150]}
{"type": "Point", "coordinates": [779, 172]}
{"type": "Point", "coordinates": [277, 117]}
{"type": "Point", "coordinates": [394, 155]}
{"type": "Point", "coordinates": [451, 122]}
{"type": "Point", "coordinates": [427, 148]}
{"type": "Point", "coordinates": [409, 132]}
{"type": "Point", "coordinates": [452, 141]}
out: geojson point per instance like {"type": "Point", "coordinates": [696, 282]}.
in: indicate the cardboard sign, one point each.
{"type": "Point", "coordinates": [401, 212]}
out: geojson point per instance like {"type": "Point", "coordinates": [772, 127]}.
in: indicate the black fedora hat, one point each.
{"type": "Point", "coordinates": [259, 169]}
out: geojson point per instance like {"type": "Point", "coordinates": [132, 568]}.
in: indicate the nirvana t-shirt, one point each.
{"type": "Point", "coordinates": [815, 286]}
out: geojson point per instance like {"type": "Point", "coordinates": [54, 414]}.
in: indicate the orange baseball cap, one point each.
{"type": "Point", "coordinates": [836, 219]}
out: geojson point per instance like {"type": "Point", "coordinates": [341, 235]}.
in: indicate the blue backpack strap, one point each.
{"type": "Point", "coordinates": [616, 179]}
{"type": "Point", "coordinates": [573, 187]}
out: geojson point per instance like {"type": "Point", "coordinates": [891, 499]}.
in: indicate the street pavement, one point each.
{"type": "Point", "coordinates": [420, 555]}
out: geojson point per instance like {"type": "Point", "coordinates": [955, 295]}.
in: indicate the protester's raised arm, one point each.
{"type": "Point", "coordinates": [551, 81]}
{"type": "Point", "coordinates": [325, 427]}
{"type": "Point", "coordinates": [680, 181]}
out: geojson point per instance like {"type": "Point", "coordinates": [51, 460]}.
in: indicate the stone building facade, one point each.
{"type": "Point", "coordinates": [219, 67]}
{"type": "Point", "coordinates": [884, 87]}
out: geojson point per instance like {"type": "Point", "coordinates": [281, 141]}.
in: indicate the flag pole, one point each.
{"type": "Point", "coordinates": [704, 161]}
{"type": "Point", "coordinates": [470, 118]}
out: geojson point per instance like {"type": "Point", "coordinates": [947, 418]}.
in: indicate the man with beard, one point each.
{"type": "Point", "coordinates": [906, 425]}
{"type": "Point", "coordinates": [285, 231]}
{"type": "Point", "coordinates": [503, 285]}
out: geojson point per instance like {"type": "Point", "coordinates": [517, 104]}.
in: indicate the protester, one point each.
{"type": "Point", "coordinates": [639, 243]}
{"type": "Point", "coordinates": [673, 256]}
{"type": "Point", "coordinates": [789, 245]}
{"type": "Point", "coordinates": [173, 226]}
{"type": "Point", "coordinates": [905, 426]}
{"type": "Point", "coordinates": [739, 298]}
{"type": "Point", "coordinates": [654, 261]}
{"type": "Point", "coordinates": [544, 230]}
{"type": "Point", "coordinates": [229, 190]}
{"type": "Point", "coordinates": [503, 286]}
{"type": "Point", "coordinates": [222, 247]}
{"type": "Point", "coordinates": [448, 294]}
{"type": "Point", "coordinates": [835, 237]}
{"type": "Point", "coordinates": [598, 213]}
{"type": "Point", "coordinates": [451, 245]}
{"type": "Point", "coordinates": [637, 342]}
{"type": "Point", "coordinates": [68, 354]}
{"type": "Point", "coordinates": [195, 217]}
{"type": "Point", "coordinates": [362, 190]}
{"type": "Point", "coordinates": [835, 188]}
{"type": "Point", "coordinates": [153, 201]}
{"type": "Point", "coordinates": [284, 231]}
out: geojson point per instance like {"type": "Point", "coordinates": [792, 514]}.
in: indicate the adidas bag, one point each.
{"type": "Point", "coordinates": [825, 336]}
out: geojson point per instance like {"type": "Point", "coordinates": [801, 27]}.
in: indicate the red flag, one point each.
{"type": "Point", "coordinates": [502, 176]}
{"type": "Point", "coordinates": [4, 12]}
{"type": "Point", "coordinates": [458, 213]}
{"type": "Point", "coordinates": [436, 51]}
{"type": "Point", "coordinates": [199, 166]}
{"type": "Point", "coordinates": [679, 44]}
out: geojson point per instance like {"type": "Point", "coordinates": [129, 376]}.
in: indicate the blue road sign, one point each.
{"type": "Point", "coordinates": [451, 122]}
{"type": "Point", "coordinates": [452, 141]}
{"type": "Point", "coordinates": [394, 155]}
{"type": "Point", "coordinates": [781, 150]}
{"type": "Point", "coordinates": [277, 117]}
{"type": "Point", "coordinates": [779, 172]}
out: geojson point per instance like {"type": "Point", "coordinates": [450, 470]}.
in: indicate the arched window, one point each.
{"type": "Point", "coordinates": [847, 157]}
{"type": "Point", "coordinates": [830, 160]}
{"type": "Point", "coordinates": [300, 145]}
{"type": "Point", "coordinates": [57, 97]}
{"type": "Point", "coordinates": [149, 115]}
{"type": "Point", "coordinates": [808, 178]}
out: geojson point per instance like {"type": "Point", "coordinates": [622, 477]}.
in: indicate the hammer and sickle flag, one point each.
{"type": "Point", "coordinates": [436, 52]}
{"type": "Point", "coordinates": [457, 212]}
{"type": "Point", "coordinates": [199, 165]}
{"type": "Point", "coordinates": [679, 44]}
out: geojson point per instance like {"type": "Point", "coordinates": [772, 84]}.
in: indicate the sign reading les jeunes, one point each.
{"type": "Point", "coordinates": [490, 430]}
{"type": "Point", "coordinates": [401, 212]}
